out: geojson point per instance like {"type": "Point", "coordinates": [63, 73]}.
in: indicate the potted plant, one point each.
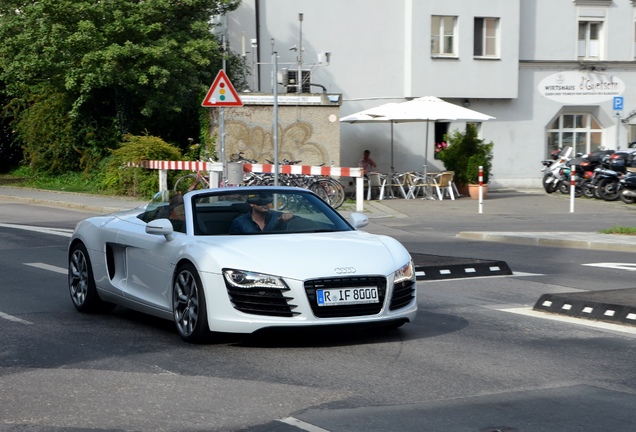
{"type": "Point", "coordinates": [464, 154]}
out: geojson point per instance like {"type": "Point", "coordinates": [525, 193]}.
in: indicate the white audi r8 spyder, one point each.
{"type": "Point", "coordinates": [238, 260]}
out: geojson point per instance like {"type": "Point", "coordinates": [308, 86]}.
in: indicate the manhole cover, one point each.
{"type": "Point", "coordinates": [498, 429]}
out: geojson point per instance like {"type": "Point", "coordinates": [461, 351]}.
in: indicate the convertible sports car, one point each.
{"type": "Point", "coordinates": [237, 260]}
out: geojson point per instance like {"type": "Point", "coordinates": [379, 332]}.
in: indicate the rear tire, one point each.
{"type": "Point", "coordinates": [587, 189]}
{"type": "Point", "coordinates": [81, 282]}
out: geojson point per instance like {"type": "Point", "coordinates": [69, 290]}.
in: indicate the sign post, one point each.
{"type": "Point", "coordinates": [222, 94]}
{"type": "Point", "coordinates": [618, 111]}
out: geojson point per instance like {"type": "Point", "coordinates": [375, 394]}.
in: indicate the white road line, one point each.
{"type": "Point", "coordinates": [617, 266]}
{"type": "Point", "coordinates": [64, 232]}
{"type": "Point", "coordinates": [14, 319]}
{"type": "Point", "coordinates": [48, 267]}
{"type": "Point", "coordinates": [302, 425]}
{"type": "Point", "coordinates": [578, 321]}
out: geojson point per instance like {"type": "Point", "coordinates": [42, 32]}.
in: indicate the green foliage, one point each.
{"type": "Point", "coordinates": [121, 179]}
{"type": "Point", "coordinates": [465, 153]}
{"type": "Point", "coordinates": [84, 72]}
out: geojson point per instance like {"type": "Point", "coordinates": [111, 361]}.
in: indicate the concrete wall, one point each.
{"type": "Point", "coordinates": [310, 133]}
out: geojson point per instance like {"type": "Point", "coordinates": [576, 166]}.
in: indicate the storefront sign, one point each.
{"type": "Point", "coordinates": [581, 87]}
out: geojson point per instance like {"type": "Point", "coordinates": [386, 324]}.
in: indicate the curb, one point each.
{"type": "Point", "coordinates": [554, 239]}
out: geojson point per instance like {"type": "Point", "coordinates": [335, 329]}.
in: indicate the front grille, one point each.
{"type": "Point", "coordinates": [403, 294]}
{"type": "Point", "coordinates": [345, 282]}
{"type": "Point", "coordinates": [260, 301]}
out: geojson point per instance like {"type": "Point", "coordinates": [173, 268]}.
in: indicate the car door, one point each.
{"type": "Point", "coordinates": [149, 265]}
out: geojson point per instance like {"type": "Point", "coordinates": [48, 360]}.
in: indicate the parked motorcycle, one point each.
{"type": "Point", "coordinates": [586, 169]}
{"type": "Point", "coordinates": [627, 188]}
{"type": "Point", "coordinates": [552, 168]}
{"type": "Point", "coordinates": [608, 186]}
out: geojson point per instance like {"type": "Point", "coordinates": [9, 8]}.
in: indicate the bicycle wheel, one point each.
{"type": "Point", "coordinates": [340, 193]}
{"type": "Point", "coordinates": [329, 190]}
{"type": "Point", "coordinates": [189, 183]}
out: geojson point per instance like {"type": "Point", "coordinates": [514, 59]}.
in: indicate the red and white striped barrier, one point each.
{"type": "Point", "coordinates": [217, 167]}
{"type": "Point", "coordinates": [176, 165]}
{"type": "Point", "coordinates": [304, 169]}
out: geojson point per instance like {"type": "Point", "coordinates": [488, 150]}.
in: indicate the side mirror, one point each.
{"type": "Point", "coordinates": [161, 227]}
{"type": "Point", "coordinates": [358, 220]}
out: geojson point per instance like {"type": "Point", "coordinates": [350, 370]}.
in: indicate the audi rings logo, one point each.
{"type": "Point", "coordinates": [344, 270]}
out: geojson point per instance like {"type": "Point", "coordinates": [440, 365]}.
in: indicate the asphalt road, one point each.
{"type": "Point", "coordinates": [477, 358]}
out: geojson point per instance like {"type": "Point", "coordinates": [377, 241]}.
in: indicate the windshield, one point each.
{"type": "Point", "coordinates": [263, 211]}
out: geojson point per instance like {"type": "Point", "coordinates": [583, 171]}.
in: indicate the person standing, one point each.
{"type": "Point", "coordinates": [366, 163]}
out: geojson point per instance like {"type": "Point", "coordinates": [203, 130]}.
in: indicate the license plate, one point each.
{"type": "Point", "coordinates": [347, 296]}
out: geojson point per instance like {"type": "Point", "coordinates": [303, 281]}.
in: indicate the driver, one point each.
{"type": "Point", "coordinates": [260, 218]}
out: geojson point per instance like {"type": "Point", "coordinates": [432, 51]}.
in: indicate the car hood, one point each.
{"type": "Point", "coordinates": [302, 256]}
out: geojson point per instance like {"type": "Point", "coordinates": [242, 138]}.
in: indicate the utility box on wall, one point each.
{"type": "Point", "coordinates": [308, 128]}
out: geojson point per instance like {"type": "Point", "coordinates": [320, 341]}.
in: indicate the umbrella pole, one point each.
{"type": "Point", "coordinates": [427, 189]}
{"type": "Point", "coordinates": [392, 167]}
{"type": "Point", "coordinates": [426, 150]}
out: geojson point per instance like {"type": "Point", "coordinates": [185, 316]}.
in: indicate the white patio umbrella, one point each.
{"type": "Point", "coordinates": [423, 109]}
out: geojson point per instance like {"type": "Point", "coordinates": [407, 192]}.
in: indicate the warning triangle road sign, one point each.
{"type": "Point", "coordinates": [222, 93]}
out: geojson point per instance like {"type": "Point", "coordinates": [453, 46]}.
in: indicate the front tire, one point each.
{"type": "Point", "coordinates": [188, 305]}
{"type": "Point", "coordinates": [549, 186]}
{"type": "Point", "coordinates": [81, 282]}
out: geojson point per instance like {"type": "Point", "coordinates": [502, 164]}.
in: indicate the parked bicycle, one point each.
{"type": "Point", "coordinates": [327, 188]}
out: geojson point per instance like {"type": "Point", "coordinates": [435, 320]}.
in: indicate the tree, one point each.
{"type": "Point", "coordinates": [107, 68]}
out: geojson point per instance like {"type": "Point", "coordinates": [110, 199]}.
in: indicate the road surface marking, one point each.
{"type": "Point", "coordinates": [44, 230]}
{"type": "Point", "coordinates": [578, 321]}
{"type": "Point", "coordinates": [48, 267]}
{"type": "Point", "coordinates": [617, 266]}
{"type": "Point", "coordinates": [302, 425]}
{"type": "Point", "coordinates": [14, 319]}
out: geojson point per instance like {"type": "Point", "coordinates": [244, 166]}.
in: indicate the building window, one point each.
{"type": "Point", "coordinates": [486, 37]}
{"type": "Point", "coordinates": [590, 39]}
{"type": "Point", "coordinates": [582, 132]}
{"type": "Point", "coordinates": [443, 38]}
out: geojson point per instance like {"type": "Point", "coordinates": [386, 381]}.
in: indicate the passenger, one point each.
{"type": "Point", "coordinates": [260, 218]}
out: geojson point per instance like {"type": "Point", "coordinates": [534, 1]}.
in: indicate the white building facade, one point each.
{"type": "Point", "coordinates": [552, 72]}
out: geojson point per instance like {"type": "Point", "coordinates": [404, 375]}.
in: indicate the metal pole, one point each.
{"type": "Point", "coordinates": [299, 78]}
{"type": "Point", "coordinates": [572, 186]}
{"type": "Point", "coordinates": [221, 111]}
{"type": "Point", "coordinates": [275, 132]}
{"type": "Point", "coordinates": [618, 122]}
{"type": "Point", "coordinates": [481, 189]}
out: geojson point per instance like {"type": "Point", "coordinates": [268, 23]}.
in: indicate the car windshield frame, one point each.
{"type": "Point", "coordinates": [214, 212]}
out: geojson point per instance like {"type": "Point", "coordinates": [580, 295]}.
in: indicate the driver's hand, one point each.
{"type": "Point", "coordinates": [285, 217]}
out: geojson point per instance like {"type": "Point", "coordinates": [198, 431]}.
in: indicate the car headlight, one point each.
{"type": "Point", "coordinates": [247, 279]}
{"type": "Point", "coordinates": [404, 273]}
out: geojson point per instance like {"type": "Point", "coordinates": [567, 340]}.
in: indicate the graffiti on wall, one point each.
{"type": "Point", "coordinates": [295, 142]}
